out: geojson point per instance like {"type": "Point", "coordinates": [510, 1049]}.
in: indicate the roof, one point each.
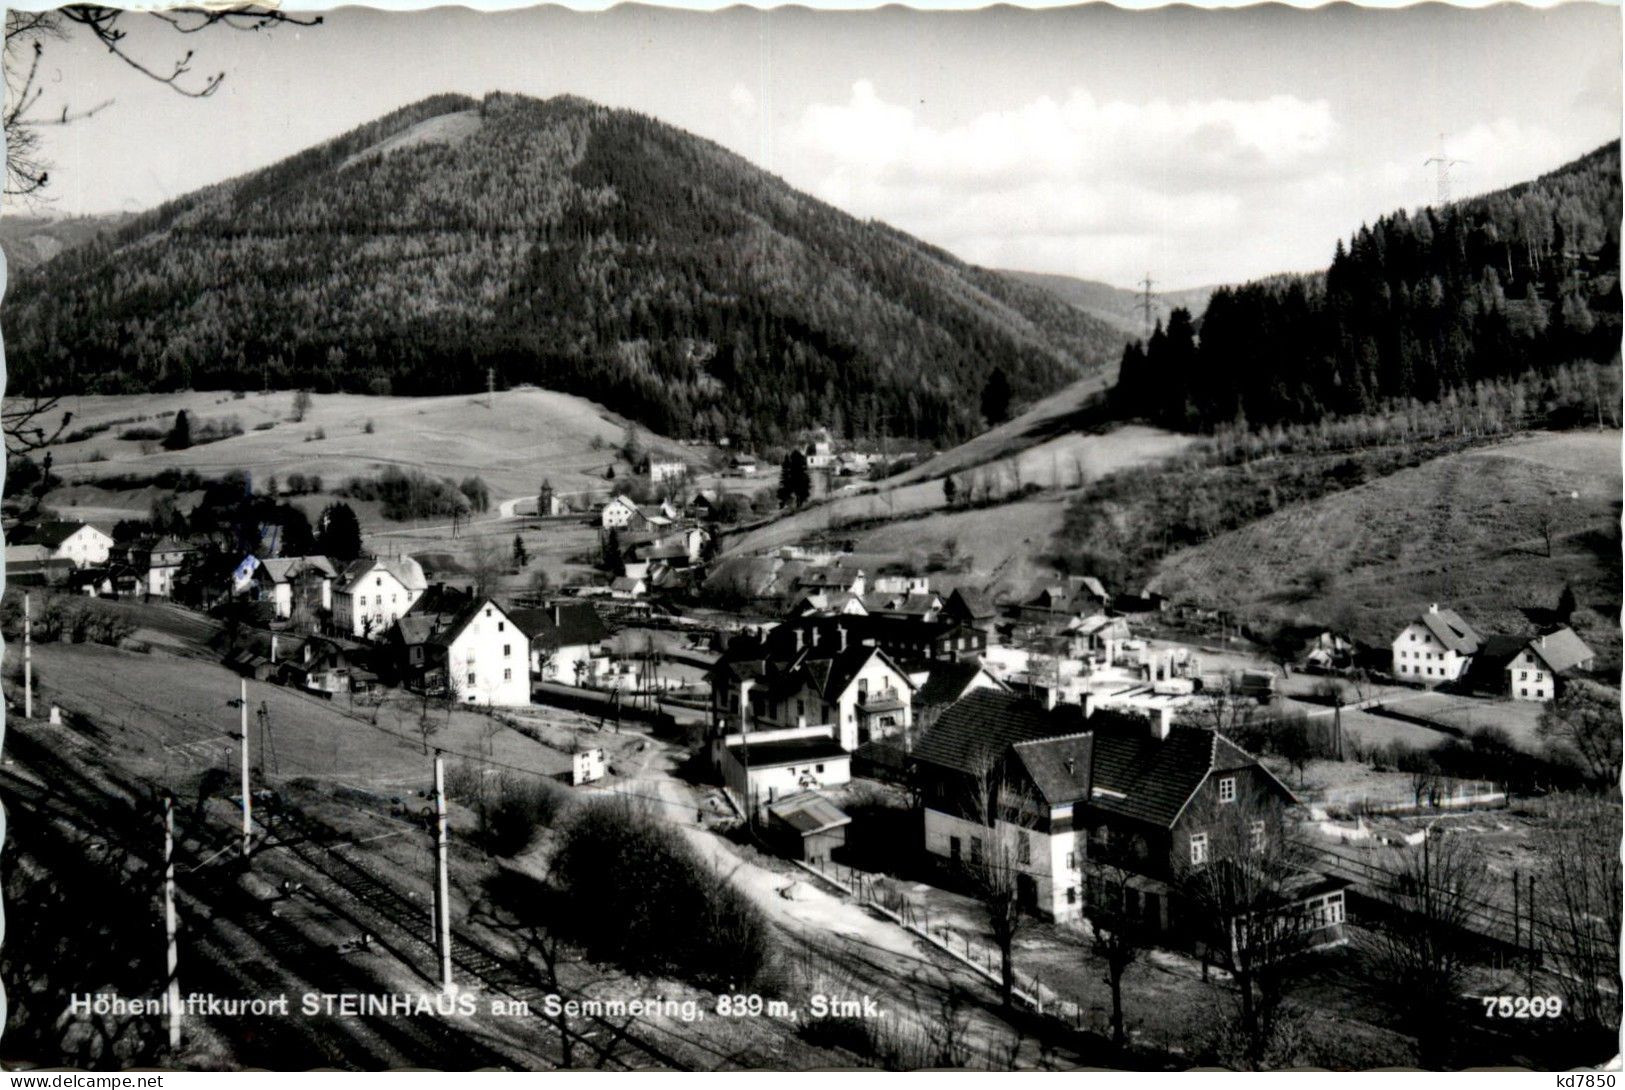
{"type": "Point", "coordinates": [1561, 650]}
{"type": "Point", "coordinates": [947, 682]}
{"type": "Point", "coordinates": [973, 733]}
{"type": "Point", "coordinates": [1059, 767]}
{"type": "Point", "coordinates": [1449, 629]}
{"type": "Point", "coordinates": [54, 533]}
{"type": "Point", "coordinates": [440, 562]}
{"type": "Point", "coordinates": [1157, 778]}
{"type": "Point", "coordinates": [834, 576]}
{"type": "Point", "coordinates": [564, 624]}
{"type": "Point", "coordinates": [407, 571]}
{"type": "Point", "coordinates": [625, 582]}
{"type": "Point", "coordinates": [281, 569]}
{"type": "Point", "coordinates": [793, 751]}
{"type": "Point", "coordinates": [973, 604]}
{"type": "Point", "coordinates": [808, 813]}
{"type": "Point", "coordinates": [452, 628]}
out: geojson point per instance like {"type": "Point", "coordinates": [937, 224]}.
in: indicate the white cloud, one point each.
{"type": "Point", "coordinates": [1053, 176]}
{"type": "Point", "coordinates": [742, 102]}
{"type": "Point", "coordinates": [1199, 191]}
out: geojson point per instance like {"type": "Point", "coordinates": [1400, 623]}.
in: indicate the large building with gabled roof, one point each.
{"type": "Point", "coordinates": [1055, 789]}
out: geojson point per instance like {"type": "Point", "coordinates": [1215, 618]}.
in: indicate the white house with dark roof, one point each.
{"type": "Point", "coordinates": [283, 579]}
{"type": "Point", "coordinates": [1534, 673]}
{"type": "Point", "coordinates": [1436, 647]}
{"type": "Point", "coordinates": [79, 542]}
{"type": "Point", "coordinates": [373, 594]}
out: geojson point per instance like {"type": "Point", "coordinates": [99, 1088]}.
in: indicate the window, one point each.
{"type": "Point", "coordinates": [507, 649]}
{"type": "Point", "coordinates": [1539, 676]}
{"type": "Point", "coordinates": [820, 768]}
{"type": "Point", "coordinates": [378, 581]}
{"type": "Point", "coordinates": [471, 678]}
{"type": "Point", "coordinates": [1024, 849]}
{"type": "Point", "coordinates": [501, 626]}
{"type": "Point", "coordinates": [1071, 895]}
{"type": "Point", "coordinates": [1227, 789]}
{"type": "Point", "coordinates": [1523, 675]}
{"type": "Point", "coordinates": [507, 675]}
{"type": "Point", "coordinates": [1071, 860]}
{"type": "Point", "coordinates": [1259, 835]}
{"type": "Point", "coordinates": [1198, 849]}
{"type": "Point", "coordinates": [975, 849]}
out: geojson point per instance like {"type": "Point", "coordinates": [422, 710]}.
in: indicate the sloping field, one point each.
{"type": "Point", "coordinates": [1042, 421]}
{"type": "Point", "coordinates": [1464, 529]}
{"type": "Point", "coordinates": [513, 440]}
{"type": "Point", "coordinates": [1065, 461]}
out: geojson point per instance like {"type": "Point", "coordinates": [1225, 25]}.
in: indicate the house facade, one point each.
{"type": "Point", "coordinates": [373, 594]}
{"type": "Point", "coordinates": [1436, 647]}
{"type": "Point", "coordinates": [1537, 671]}
{"type": "Point", "coordinates": [1064, 797]}
{"type": "Point", "coordinates": [566, 641]}
{"type": "Point", "coordinates": [156, 564]}
{"type": "Point", "coordinates": [77, 542]}
{"type": "Point", "coordinates": [617, 513]}
{"type": "Point", "coordinates": [480, 657]}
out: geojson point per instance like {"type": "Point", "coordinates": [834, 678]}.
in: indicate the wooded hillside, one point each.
{"type": "Point", "coordinates": [557, 242]}
{"type": "Point", "coordinates": [1523, 279]}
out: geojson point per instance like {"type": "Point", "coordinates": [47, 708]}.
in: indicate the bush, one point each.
{"type": "Point", "coordinates": [521, 807]}
{"type": "Point", "coordinates": [145, 434]}
{"type": "Point", "coordinates": [656, 906]}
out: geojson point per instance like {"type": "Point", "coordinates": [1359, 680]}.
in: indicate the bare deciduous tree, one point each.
{"type": "Point", "coordinates": [1119, 931]}
{"type": "Point", "coordinates": [1422, 950]}
{"type": "Point", "coordinates": [1001, 860]}
{"type": "Point", "coordinates": [1238, 884]}
{"type": "Point", "coordinates": [1578, 914]}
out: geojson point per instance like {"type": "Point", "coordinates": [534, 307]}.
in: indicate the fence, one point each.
{"type": "Point", "coordinates": [880, 894]}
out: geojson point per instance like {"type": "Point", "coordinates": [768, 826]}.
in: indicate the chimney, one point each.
{"type": "Point", "coordinates": [558, 615]}
{"type": "Point", "coordinates": [1433, 608]}
{"type": "Point", "coordinates": [799, 635]}
{"type": "Point", "coordinates": [814, 635]}
{"type": "Point", "coordinates": [842, 631]}
{"type": "Point", "coordinates": [273, 648]}
{"type": "Point", "coordinates": [1162, 721]}
{"type": "Point", "coordinates": [1051, 695]}
{"type": "Point", "coordinates": [1086, 700]}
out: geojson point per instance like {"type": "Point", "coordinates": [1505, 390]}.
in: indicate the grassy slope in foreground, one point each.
{"type": "Point", "coordinates": [1463, 529]}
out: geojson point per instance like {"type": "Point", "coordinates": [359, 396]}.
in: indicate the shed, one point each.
{"type": "Point", "coordinates": [807, 826]}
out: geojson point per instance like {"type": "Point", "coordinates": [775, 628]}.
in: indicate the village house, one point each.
{"type": "Point", "coordinates": [756, 775]}
{"type": "Point", "coordinates": [898, 583]}
{"type": "Point", "coordinates": [1436, 647]}
{"type": "Point", "coordinates": [828, 604]}
{"type": "Point", "coordinates": [742, 465]}
{"type": "Point", "coordinates": [661, 470]}
{"type": "Point", "coordinates": [1055, 603]}
{"type": "Point", "coordinates": [1541, 665]}
{"type": "Point", "coordinates": [832, 577]}
{"type": "Point", "coordinates": [566, 641]}
{"type": "Point", "coordinates": [1061, 790]}
{"type": "Point", "coordinates": [549, 504]}
{"type": "Point", "coordinates": [617, 513]}
{"type": "Point", "coordinates": [302, 584]}
{"type": "Point", "coordinates": [373, 594]}
{"type": "Point", "coordinates": [973, 608]}
{"type": "Point", "coordinates": [77, 542]}
{"type": "Point", "coordinates": [810, 678]}
{"type": "Point", "coordinates": [940, 685]}
{"type": "Point", "coordinates": [328, 665]}
{"type": "Point", "coordinates": [156, 563]}
{"type": "Point", "coordinates": [920, 604]}
{"type": "Point", "coordinates": [628, 587]}
{"type": "Point", "coordinates": [465, 647]}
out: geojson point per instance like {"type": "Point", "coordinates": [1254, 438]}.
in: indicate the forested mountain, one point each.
{"type": "Point", "coordinates": [1522, 279]}
{"type": "Point", "coordinates": [557, 242]}
{"type": "Point", "coordinates": [1120, 308]}
{"type": "Point", "coordinates": [33, 240]}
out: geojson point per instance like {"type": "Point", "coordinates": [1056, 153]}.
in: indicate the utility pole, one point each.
{"type": "Point", "coordinates": [1442, 163]}
{"type": "Point", "coordinates": [442, 886]}
{"type": "Point", "coordinates": [248, 801]}
{"type": "Point", "coordinates": [172, 994]}
{"type": "Point", "coordinates": [490, 387]}
{"type": "Point", "coordinates": [1146, 306]}
{"type": "Point", "coordinates": [28, 659]}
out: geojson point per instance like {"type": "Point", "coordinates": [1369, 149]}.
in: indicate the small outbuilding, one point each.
{"type": "Point", "coordinates": [807, 826]}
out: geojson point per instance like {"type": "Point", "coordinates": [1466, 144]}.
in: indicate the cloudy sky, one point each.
{"type": "Point", "coordinates": [1095, 142]}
